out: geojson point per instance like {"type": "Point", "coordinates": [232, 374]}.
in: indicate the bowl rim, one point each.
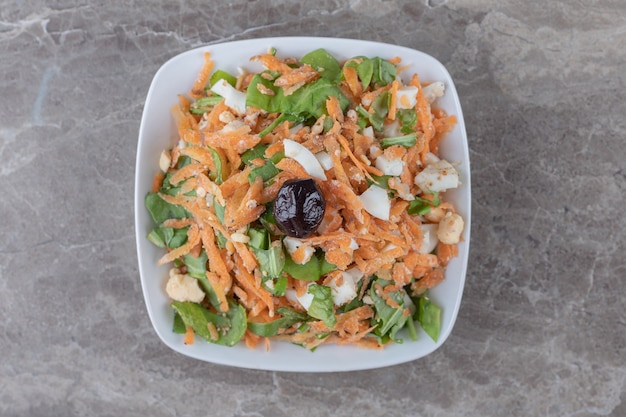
{"type": "Point", "coordinates": [223, 357]}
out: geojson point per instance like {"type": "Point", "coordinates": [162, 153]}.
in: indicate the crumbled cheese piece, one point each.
{"type": "Point", "coordinates": [240, 237]}
{"type": "Point", "coordinates": [450, 228]}
{"type": "Point", "coordinates": [232, 126]}
{"type": "Point", "coordinates": [182, 287]}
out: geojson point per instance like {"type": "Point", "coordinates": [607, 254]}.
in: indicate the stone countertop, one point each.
{"type": "Point", "coordinates": [542, 326]}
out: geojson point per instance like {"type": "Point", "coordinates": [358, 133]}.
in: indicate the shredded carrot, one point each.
{"type": "Point", "coordinates": [189, 336]}
{"type": "Point", "coordinates": [203, 76]}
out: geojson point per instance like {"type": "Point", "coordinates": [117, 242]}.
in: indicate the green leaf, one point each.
{"type": "Point", "coordinates": [390, 320]}
{"type": "Point", "coordinates": [204, 104]}
{"type": "Point", "coordinates": [219, 210]}
{"type": "Point", "coordinates": [384, 72]}
{"type": "Point", "coordinates": [256, 152]}
{"type": "Point", "coordinates": [422, 206]}
{"type": "Point", "coordinates": [288, 319]}
{"type": "Point", "coordinates": [407, 141]}
{"type": "Point", "coordinates": [324, 63]}
{"type": "Point", "coordinates": [272, 103]}
{"type": "Point", "coordinates": [380, 107]}
{"type": "Point", "coordinates": [259, 239]}
{"type": "Point", "coordinates": [196, 267]}
{"type": "Point", "coordinates": [307, 101]}
{"type": "Point", "coordinates": [160, 210]}
{"type": "Point", "coordinates": [310, 271]}
{"type": "Point", "coordinates": [381, 180]}
{"type": "Point", "coordinates": [179, 325]}
{"type": "Point", "coordinates": [156, 238]}
{"type": "Point", "coordinates": [322, 307]}
{"type": "Point", "coordinates": [222, 75]}
{"type": "Point", "coordinates": [266, 172]}
{"type": "Point", "coordinates": [271, 261]}
{"type": "Point", "coordinates": [408, 120]}
{"type": "Point", "coordinates": [364, 68]}
{"type": "Point", "coordinates": [219, 164]}
{"type": "Point", "coordinates": [429, 316]}
{"type": "Point", "coordinates": [231, 325]}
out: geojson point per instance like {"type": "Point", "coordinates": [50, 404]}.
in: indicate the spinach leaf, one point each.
{"type": "Point", "coordinates": [272, 103]}
{"type": "Point", "coordinates": [324, 63]}
{"type": "Point", "coordinates": [271, 261]}
{"type": "Point", "coordinates": [307, 101]}
{"type": "Point", "coordinates": [266, 172]}
{"type": "Point", "coordinates": [179, 325]}
{"type": "Point", "coordinates": [312, 270]}
{"type": "Point", "coordinates": [381, 180]}
{"type": "Point", "coordinates": [422, 206]}
{"type": "Point", "coordinates": [216, 176]}
{"type": "Point", "coordinates": [389, 319]}
{"type": "Point", "coordinates": [429, 317]}
{"type": "Point", "coordinates": [407, 141]}
{"type": "Point", "coordinates": [322, 306]}
{"type": "Point", "coordinates": [380, 105]}
{"type": "Point", "coordinates": [204, 104]}
{"type": "Point", "coordinates": [384, 72]}
{"type": "Point", "coordinates": [160, 210]}
{"type": "Point", "coordinates": [222, 75]}
{"type": "Point", "coordinates": [310, 99]}
{"type": "Point", "coordinates": [408, 120]}
{"type": "Point", "coordinates": [258, 151]}
{"type": "Point", "coordinates": [288, 319]}
{"type": "Point", "coordinates": [230, 326]}
{"type": "Point", "coordinates": [196, 267]}
{"type": "Point", "coordinates": [364, 69]}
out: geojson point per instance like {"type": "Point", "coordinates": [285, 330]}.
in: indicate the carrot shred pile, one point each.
{"type": "Point", "coordinates": [349, 236]}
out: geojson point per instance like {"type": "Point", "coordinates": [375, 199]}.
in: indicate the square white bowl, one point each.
{"type": "Point", "coordinates": [158, 132]}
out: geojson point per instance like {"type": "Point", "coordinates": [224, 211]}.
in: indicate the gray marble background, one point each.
{"type": "Point", "coordinates": [542, 326]}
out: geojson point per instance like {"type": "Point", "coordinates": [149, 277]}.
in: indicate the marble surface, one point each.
{"type": "Point", "coordinates": [542, 326]}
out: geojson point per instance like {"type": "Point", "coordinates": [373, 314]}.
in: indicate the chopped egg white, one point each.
{"type": "Point", "coordinates": [392, 129]}
{"type": "Point", "coordinates": [391, 167]}
{"type": "Point", "coordinates": [376, 202]}
{"type": "Point", "coordinates": [292, 244]}
{"type": "Point", "coordinates": [325, 160]}
{"type": "Point", "coordinates": [305, 300]}
{"type": "Point", "coordinates": [438, 176]}
{"type": "Point", "coordinates": [233, 98]}
{"type": "Point", "coordinates": [304, 157]}
{"type": "Point", "coordinates": [429, 238]}
{"type": "Point", "coordinates": [345, 291]}
{"type": "Point", "coordinates": [434, 90]}
{"type": "Point", "coordinates": [406, 97]}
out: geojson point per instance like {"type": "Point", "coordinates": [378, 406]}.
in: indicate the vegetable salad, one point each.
{"type": "Point", "coordinates": [305, 203]}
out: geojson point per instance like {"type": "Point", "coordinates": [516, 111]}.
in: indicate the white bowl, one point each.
{"type": "Point", "coordinates": [158, 132]}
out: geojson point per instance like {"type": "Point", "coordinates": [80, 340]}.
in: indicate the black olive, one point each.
{"type": "Point", "coordinates": [299, 208]}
